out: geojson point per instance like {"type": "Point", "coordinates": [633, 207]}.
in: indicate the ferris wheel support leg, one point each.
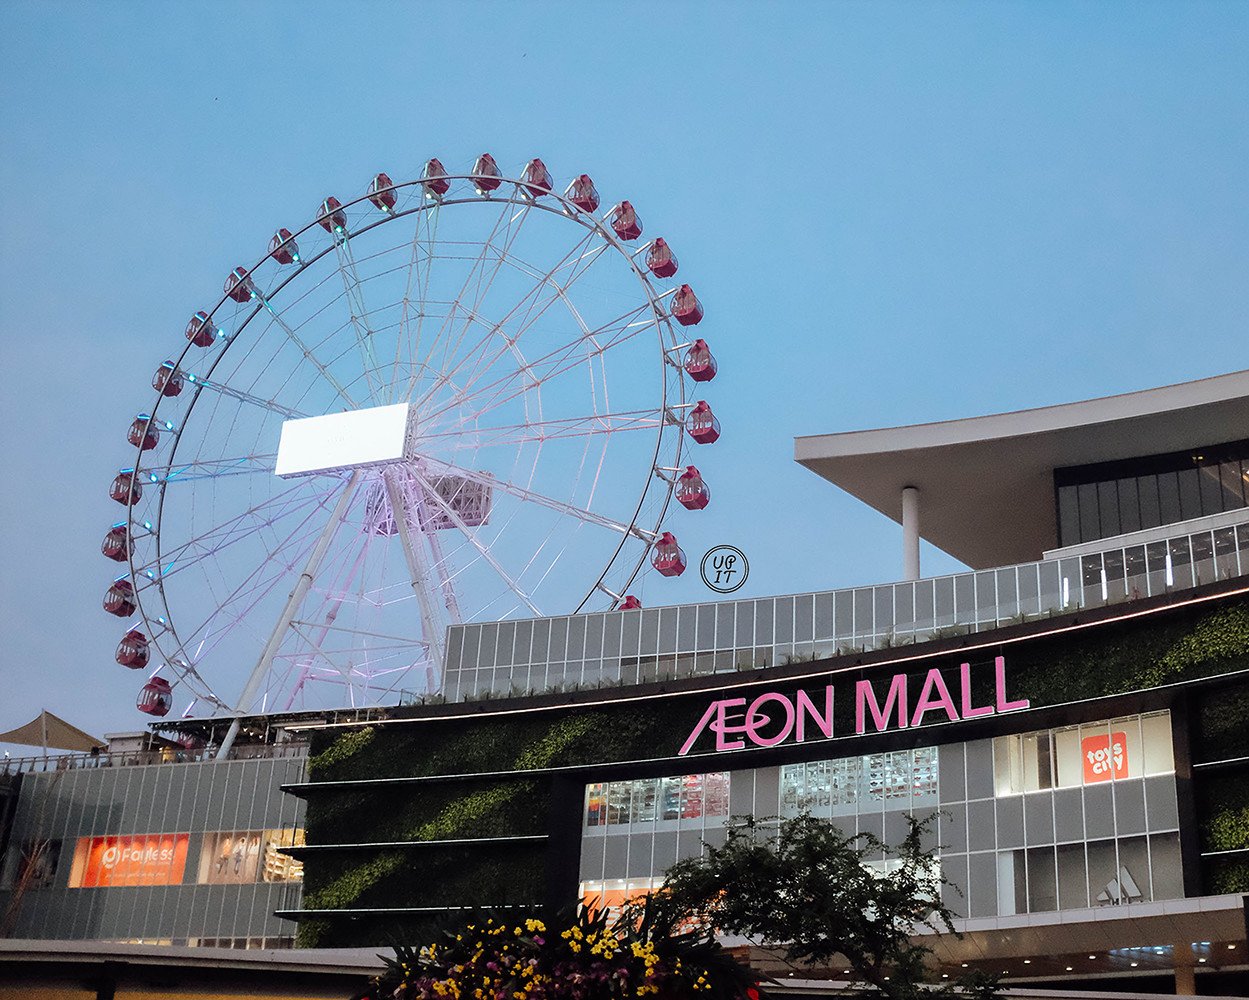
{"type": "Point", "coordinates": [293, 602]}
{"type": "Point", "coordinates": [416, 571]}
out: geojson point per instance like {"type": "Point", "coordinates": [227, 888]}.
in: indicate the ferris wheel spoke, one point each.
{"type": "Point", "coordinates": [431, 493]}
{"type": "Point", "coordinates": [245, 397]}
{"type": "Point", "coordinates": [304, 349]}
{"type": "Point", "coordinates": [531, 308]}
{"type": "Point", "coordinates": [562, 359]}
{"type": "Point", "coordinates": [422, 277]}
{"type": "Point", "coordinates": [475, 276]}
{"type": "Point", "coordinates": [358, 312]}
{"type": "Point", "coordinates": [417, 571]}
{"type": "Point", "coordinates": [528, 495]}
{"type": "Point", "coordinates": [208, 468]}
{"type": "Point", "coordinates": [461, 438]}
{"type": "Point", "coordinates": [223, 536]}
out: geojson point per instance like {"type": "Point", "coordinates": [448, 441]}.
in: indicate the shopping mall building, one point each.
{"type": "Point", "coordinates": [1072, 714]}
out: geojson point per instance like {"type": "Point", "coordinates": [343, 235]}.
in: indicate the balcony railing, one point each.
{"type": "Point", "coordinates": [145, 758]}
{"type": "Point", "coordinates": [514, 658]}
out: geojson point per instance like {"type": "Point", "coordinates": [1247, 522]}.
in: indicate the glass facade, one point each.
{"type": "Point", "coordinates": [175, 853]}
{"type": "Point", "coordinates": [1115, 498]}
{"type": "Point", "coordinates": [1072, 817]}
{"type": "Point", "coordinates": [498, 659]}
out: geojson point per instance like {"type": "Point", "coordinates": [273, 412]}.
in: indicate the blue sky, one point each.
{"type": "Point", "coordinates": [894, 213]}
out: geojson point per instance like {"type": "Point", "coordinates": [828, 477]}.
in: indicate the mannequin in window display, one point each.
{"type": "Point", "coordinates": [253, 857]}
{"type": "Point", "coordinates": [223, 859]}
{"type": "Point", "coordinates": [239, 849]}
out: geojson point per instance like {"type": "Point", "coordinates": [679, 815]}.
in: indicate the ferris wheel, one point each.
{"type": "Point", "coordinates": [456, 398]}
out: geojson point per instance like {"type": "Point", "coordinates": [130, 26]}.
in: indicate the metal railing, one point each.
{"type": "Point", "coordinates": [144, 758]}
{"type": "Point", "coordinates": [515, 658]}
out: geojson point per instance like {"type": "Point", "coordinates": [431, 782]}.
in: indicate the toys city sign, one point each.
{"type": "Point", "coordinates": [772, 717]}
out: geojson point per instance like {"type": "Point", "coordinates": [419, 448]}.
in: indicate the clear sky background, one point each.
{"type": "Point", "coordinates": [894, 213]}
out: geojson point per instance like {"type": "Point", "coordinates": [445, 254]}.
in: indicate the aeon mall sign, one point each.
{"type": "Point", "coordinates": [772, 718]}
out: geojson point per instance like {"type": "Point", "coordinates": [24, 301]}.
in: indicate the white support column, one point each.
{"type": "Point", "coordinates": [910, 533]}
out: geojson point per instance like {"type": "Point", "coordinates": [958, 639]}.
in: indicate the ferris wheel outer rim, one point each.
{"type": "Point", "coordinates": [518, 195]}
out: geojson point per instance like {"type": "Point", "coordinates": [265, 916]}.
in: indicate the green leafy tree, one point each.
{"type": "Point", "coordinates": [802, 887]}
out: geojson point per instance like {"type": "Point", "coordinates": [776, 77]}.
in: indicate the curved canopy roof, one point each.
{"type": "Point", "coordinates": [986, 483]}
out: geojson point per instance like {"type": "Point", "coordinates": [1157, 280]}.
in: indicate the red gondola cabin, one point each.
{"type": "Point", "coordinates": [667, 557]}
{"type": "Point", "coordinates": [686, 309]}
{"type": "Point", "coordinates": [700, 363]}
{"type": "Point", "coordinates": [125, 488]}
{"type": "Point", "coordinates": [630, 603]}
{"type": "Point", "coordinates": [283, 247]}
{"type": "Point", "coordinates": [537, 179]}
{"type": "Point", "coordinates": [200, 330]}
{"type": "Point", "coordinates": [117, 544]}
{"type": "Point", "coordinates": [119, 599]}
{"type": "Point", "coordinates": [693, 493]}
{"type": "Point", "coordinates": [143, 433]}
{"type": "Point", "coordinates": [239, 286]}
{"type": "Point", "coordinates": [382, 193]}
{"type": "Point", "coordinates": [156, 697]}
{"type": "Point", "coordinates": [582, 193]}
{"type": "Point", "coordinates": [625, 221]}
{"type": "Point", "coordinates": [167, 380]}
{"type": "Point", "coordinates": [332, 218]}
{"type": "Point", "coordinates": [133, 650]}
{"type": "Point", "coordinates": [486, 175]}
{"type": "Point", "coordinates": [660, 259]}
{"type": "Point", "coordinates": [434, 178]}
{"type": "Point", "coordinates": [702, 423]}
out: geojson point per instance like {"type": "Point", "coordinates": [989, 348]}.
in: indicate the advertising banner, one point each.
{"type": "Point", "coordinates": [1105, 757]}
{"type": "Point", "coordinates": [143, 859]}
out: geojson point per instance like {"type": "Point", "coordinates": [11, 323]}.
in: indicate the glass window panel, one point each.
{"type": "Point", "coordinates": [804, 613]}
{"type": "Point", "coordinates": [784, 627]}
{"type": "Point", "coordinates": [1068, 516]}
{"type": "Point", "coordinates": [724, 625]}
{"type": "Point", "coordinates": [1180, 573]}
{"type": "Point", "coordinates": [863, 612]}
{"type": "Point", "coordinates": [650, 632]}
{"type": "Point", "coordinates": [764, 629]}
{"type": "Point", "coordinates": [944, 588]}
{"type": "Point", "coordinates": [596, 804]}
{"type": "Point", "coordinates": [1069, 763]}
{"type": "Point", "coordinates": [717, 794]}
{"type": "Point", "coordinates": [523, 643]}
{"type": "Point", "coordinates": [594, 636]}
{"type": "Point", "coordinates": [823, 616]}
{"type": "Point", "coordinates": [924, 609]}
{"type": "Point", "coordinates": [1007, 595]}
{"type": "Point", "coordinates": [1108, 508]}
{"type": "Point", "coordinates": [965, 596]}
{"type": "Point", "coordinates": [843, 617]}
{"type": "Point", "coordinates": [705, 636]}
{"type": "Point", "coordinates": [1129, 506]}
{"type": "Point", "coordinates": [1008, 765]}
{"type": "Point", "coordinates": [1103, 865]}
{"type": "Point", "coordinates": [1235, 485]}
{"type": "Point", "coordinates": [986, 596]}
{"type": "Point", "coordinates": [1042, 887]}
{"type": "Point", "coordinates": [576, 637]}
{"type": "Point", "coordinates": [1090, 524]}
{"type": "Point", "coordinates": [1203, 557]}
{"type": "Point", "coordinates": [1190, 494]}
{"type": "Point", "coordinates": [1147, 495]}
{"type": "Point", "coordinates": [668, 630]}
{"type": "Point", "coordinates": [1116, 581]}
{"type": "Point", "coordinates": [1157, 749]}
{"type": "Point", "coordinates": [559, 639]}
{"type": "Point", "coordinates": [644, 800]}
{"type": "Point", "coordinates": [793, 789]}
{"type": "Point", "coordinates": [1225, 552]}
{"type": "Point", "coordinates": [1134, 870]}
{"type": "Point", "coordinates": [687, 628]}
{"type": "Point", "coordinates": [882, 608]}
{"type": "Point", "coordinates": [503, 656]}
{"type": "Point", "coordinates": [1169, 498]}
{"type": "Point", "coordinates": [1073, 886]}
{"type": "Point", "coordinates": [1029, 589]}
{"type": "Point", "coordinates": [612, 625]}
{"type": "Point", "coordinates": [669, 799]}
{"type": "Point", "coordinates": [1167, 873]}
{"type": "Point", "coordinates": [1135, 577]}
{"type": "Point", "coordinates": [745, 624]}
{"type": "Point", "coordinates": [1210, 480]}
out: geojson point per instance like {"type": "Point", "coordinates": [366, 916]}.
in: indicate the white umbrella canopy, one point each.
{"type": "Point", "coordinates": [51, 733]}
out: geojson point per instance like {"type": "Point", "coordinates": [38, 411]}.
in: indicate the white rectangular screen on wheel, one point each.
{"type": "Point", "coordinates": [356, 439]}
